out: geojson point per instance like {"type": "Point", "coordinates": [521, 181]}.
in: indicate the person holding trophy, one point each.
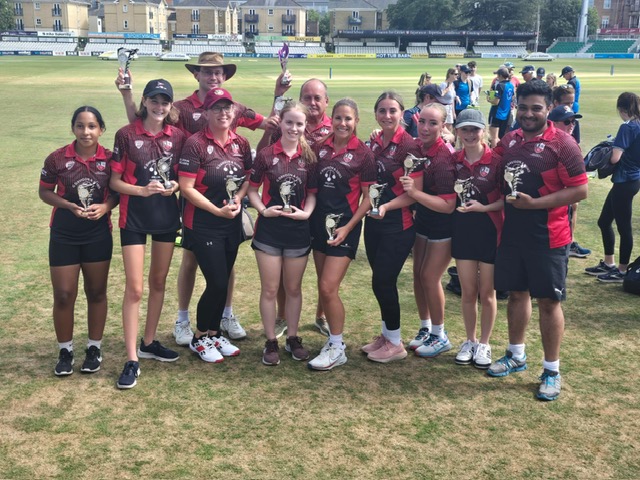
{"type": "Point", "coordinates": [75, 182]}
{"type": "Point", "coordinates": [388, 230]}
{"type": "Point", "coordinates": [432, 248]}
{"type": "Point", "coordinates": [145, 156]}
{"type": "Point", "coordinates": [477, 224]}
{"type": "Point", "coordinates": [345, 171]}
{"type": "Point", "coordinates": [286, 172]}
{"type": "Point", "coordinates": [212, 171]}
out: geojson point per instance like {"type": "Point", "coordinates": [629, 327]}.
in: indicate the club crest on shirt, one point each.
{"type": "Point", "coordinates": [210, 149]}
{"type": "Point", "coordinates": [392, 150]}
{"type": "Point", "coordinates": [167, 144]}
{"type": "Point", "coordinates": [275, 161]}
{"type": "Point", "coordinates": [324, 131]}
{"type": "Point", "coordinates": [484, 171]}
{"type": "Point", "coordinates": [43, 172]}
{"type": "Point", "coordinates": [348, 157]}
{"type": "Point", "coordinates": [323, 153]}
{"type": "Point", "coordinates": [70, 164]}
{"type": "Point", "coordinates": [138, 144]}
{"type": "Point", "coordinates": [512, 143]}
{"type": "Point", "coordinates": [101, 165]}
{"type": "Point", "coordinates": [235, 148]}
{"type": "Point", "coordinates": [426, 163]}
{"type": "Point", "coordinates": [301, 163]}
{"type": "Point", "coordinates": [538, 147]}
{"type": "Point", "coordinates": [196, 116]}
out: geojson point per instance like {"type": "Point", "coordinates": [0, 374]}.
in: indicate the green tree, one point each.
{"type": "Point", "coordinates": [325, 28]}
{"type": "Point", "coordinates": [560, 19]}
{"type": "Point", "coordinates": [498, 15]}
{"type": "Point", "coordinates": [423, 14]}
{"type": "Point", "coordinates": [6, 16]}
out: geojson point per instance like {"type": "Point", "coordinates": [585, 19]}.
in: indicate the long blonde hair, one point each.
{"type": "Point", "coordinates": [307, 154]}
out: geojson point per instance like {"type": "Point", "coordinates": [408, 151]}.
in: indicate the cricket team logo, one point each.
{"type": "Point", "coordinates": [484, 171]}
{"type": "Point", "coordinates": [101, 165]}
{"type": "Point", "coordinates": [138, 144]}
{"type": "Point", "coordinates": [196, 116]}
{"type": "Point", "coordinates": [538, 147]}
{"type": "Point", "coordinates": [210, 149]}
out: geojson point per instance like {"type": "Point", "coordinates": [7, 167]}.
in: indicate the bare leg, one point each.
{"type": "Point", "coordinates": [468, 275]}
{"type": "Point", "coordinates": [133, 259]}
{"type": "Point", "coordinates": [551, 327]}
{"type": "Point", "coordinates": [95, 276]}
{"type": "Point", "coordinates": [281, 299]}
{"type": "Point", "coordinates": [518, 315]}
{"type": "Point", "coordinates": [335, 268]}
{"type": "Point", "coordinates": [488, 301]}
{"type": "Point", "coordinates": [270, 269]}
{"type": "Point", "coordinates": [318, 259]}
{"type": "Point", "coordinates": [65, 291]}
{"type": "Point", "coordinates": [161, 253]}
{"type": "Point", "coordinates": [293, 270]}
{"type": "Point", "coordinates": [230, 287]}
{"type": "Point", "coordinates": [436, 261]}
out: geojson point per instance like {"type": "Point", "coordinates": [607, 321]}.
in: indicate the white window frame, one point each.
{"type": "Point", "coordinates": [270, 12]}
{"type": "Point", "coordinates": [125, 24]}
{"type": "Point", "coordinates": [36, 5]}
{"type": "Point", "coordinates": [606, 5]}
{"type": "Point", "coordinates": [125, 8]}
{"type": "Point", "coordinates": [38, 22]}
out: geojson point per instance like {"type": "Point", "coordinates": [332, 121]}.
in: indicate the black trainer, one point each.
{"type": "Point", "coordinates": [92, 360]}
{"type": "Point", "coordinates": [65, 363]}
{"type": "Point", "coordinates": [129, 375]}
{"type": "Point", "coordinates": [157, 351]}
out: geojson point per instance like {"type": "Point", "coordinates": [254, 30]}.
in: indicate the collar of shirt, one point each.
{"type": "Point", "coordinates": [277, 149]}
{"type": "Point", "coordinates": [209, 135]}
{"type": "Point", "coordinates": [195, 100]}
{"type": "Point", "coordinates": [352, 144]}
{"type": "Point", "coordinates": [395, 139]}
{"type": "Point", "coordinates": [70, 152]}
{"type": "Point", "coordinates": [433, 149]}
{"type": "Point", "coordinates": [485, 159]}
{"type": "Point", "coordinates": [326, 122]}
{"type": "Point", "coordinates": [140, 130]}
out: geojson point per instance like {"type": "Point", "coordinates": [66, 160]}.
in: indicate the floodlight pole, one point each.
{"type": "Point", "coordinates": [583, 26]}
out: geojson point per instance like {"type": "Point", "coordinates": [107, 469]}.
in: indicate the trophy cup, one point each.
{"type": "Point", "coordinates": [375, 195]}
{"type": "Point", "coordinates": [232, 185]}
{"type": "Point", "coordinates": [462, 189]}
{"type": "Point", "coordinates": [411, 163]}
{"type": "Point", "coordinates": [286, 190]}
{"type": "Point", "coordinates": [124, 60]}
{"type": "Point", "coordinates": [163, 166]}
{"type": "Point", "coordinates": [331, 223]}
{"type": "Point", "coordinates": [512, 177]}
{"type": "Point", "coordinates": [85, 194]}
{"type": "Point", "coordinates": [279, 104]}
{"type": "Point", "coordinates": [283, 56]}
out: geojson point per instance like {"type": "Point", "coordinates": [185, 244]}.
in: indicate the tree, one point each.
{"type": "Point", "coordinates": [560, 19]}
{"type": "Point", "coordinates": [423, 14]}
{"type": "Point", "coordinates": [6, 16]}
{"type": "Point", "coordinates": [498, 15]}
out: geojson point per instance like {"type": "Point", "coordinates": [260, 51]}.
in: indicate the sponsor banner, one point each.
{"type": "Point", "coordinates": [393, 55]}
{"type": "Point", "coordinates": [454, 55]}
{"type": "Point", "coordinates": [499, 55]}
{"type": "Point", "coordinates": [26, 53]}
{"type": "Point", "coordinates": [59, 54]}
{"type": "Point", "coordinates": [341, 55]}
{"type": "Point", "coordinates": [437, 55]}
{"type": "Point", "coordinates": [142, 35]}
{"type": "Point", "coordinates": [70, 33]}
{"type": "Point", "coordinates": [6, 53]}
{"type": "Point", "coordinates": [618, 31]}
{"type": "Point", "coordinates": [433, 33]}
{"type": "Point", "coordinates": [419, 55]}
{"type": "Point", "coordinates": [472, 55]}
{"type": "Point", "coordinates": [84, 54]}
{"type": "Point", "coordinates": [275, 38]}
{"type": "Point", "coordinates": [149, 36]}
{"type": "Point", "coordinates": [71, 54]}
{"type": "Point", "coordinates": [613, 55]}
{"type": "Point", "coordinates": [20, 33]}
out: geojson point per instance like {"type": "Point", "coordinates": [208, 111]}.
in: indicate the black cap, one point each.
{"type": "Point", "coordinates": [562, 112]}
{"type": "Point", "coordinates": [540, 72]}
{"type": "Point", "coordinates": [465, 69]}
{"type": "Point", "coordinates": [159, 86]}
{"type": "Point", "coordinates": [528, 69]}
{"type": "Point", "coordinates": [566, 70]}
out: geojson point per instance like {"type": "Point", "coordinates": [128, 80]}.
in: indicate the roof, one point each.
{"type": "Point", "coordinates": [351, 5]}
{"type": "Point", "coordinates": [201, 3]}
{"type": "Point", "coordinates": [272, 3]}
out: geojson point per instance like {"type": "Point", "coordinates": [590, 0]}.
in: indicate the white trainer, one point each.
{"type": "Point", "coordinates": [225, 347]}
{"type": "Point", "coordinates": [182, 333]}
{"type": "Point", "coordinates": [232, 328]}
{"type": "Point", "coordinates": [419, 339]}
{"type": "Point", "coordinates": [204, 347]}
{"type": "Point", "coordinates": [465, 355]}
{"type": "Point", "coordinates": [482, 356]}
{"type": "Point", "coordinates": [330, 356]}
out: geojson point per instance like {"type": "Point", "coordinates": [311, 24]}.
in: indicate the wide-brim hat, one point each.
{"type": "Point", "coordinates": [212, 59]}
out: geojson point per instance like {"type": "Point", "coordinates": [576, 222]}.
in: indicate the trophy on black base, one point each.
{"type": "Point", "coordinates": [375, 195]}
{"type": "Point", "coordinates": [512, 177]}
{"type": "Point", "coordinates": [411, 163]}
{"type": "Point", "coordinates": [232, 186]}
{"type": "Point", "coordinates": [463, 189]}
{"type": "Point", "coordinates": [283, 55]}
{"type": "Point", "coordinates": [331, 223]}
{"type": "Point", "coordinates": [124, 60]}
{"type": "Point", "coordinates": [286, 190]}
{"type": "Point", "coordinates": [163, 166]}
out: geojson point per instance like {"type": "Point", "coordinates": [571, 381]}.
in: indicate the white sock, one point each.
{"type": "Point", "coordinates": [439, 331]}
{"type": "Point", "coordinates": [94, 343]}
{"type": "Point", "coordinates": [68, 345]}
{"type": "Point", "coordinates": [228, 312]}
{"type": "Point", "coordinates": [553, 366]}
{"type": "Point", "coordinates": [183, 316]}
{"type": "Point", "coordinates": [426, 323]}
{"type": "Point", "coordinates": [516, 350]}
{"type": "Point", "coordinates": [336, 340]}
{"type": "Point", "coordinates": [394, 336]}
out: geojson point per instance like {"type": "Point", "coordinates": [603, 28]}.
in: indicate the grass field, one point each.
{"type": "Point", "coordinates": [411, 419]}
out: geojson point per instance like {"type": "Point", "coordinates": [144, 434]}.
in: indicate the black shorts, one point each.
{"type": "Point", "coordinates": [348, 248]}
{"type": "Point", "coordinates": [279, 251]}
{"type": "Point", "coordinates": [63, 254]}
{"type": "Point", "coordinates": [501, 125]}
{"type": "Point", "coordinates": [127, 237]}
{"type": "Point", "coordinates": [433, 225]}
{"type": "Point", "coordinates": [474, 237]}
{"type": "Point", "coordinates": [542, 272]}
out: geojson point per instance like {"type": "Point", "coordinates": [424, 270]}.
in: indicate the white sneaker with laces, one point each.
{"type": "Point", "coordinates": [224, 346]}
{"type": "Point", "coordinates": [465, 355]}
{"type": "Point", "coordinates": [231, 326]}
{"type": "Point", "coordinates": [419, 339]}
{"type": "Point", "coordinates": [205, 349]}
{"type": "Point", "coordinates": [182, 333]}
{"type": "Point", "coordinates": [330, 356]}
{"type": "Point", "coordinates": [482, 356]}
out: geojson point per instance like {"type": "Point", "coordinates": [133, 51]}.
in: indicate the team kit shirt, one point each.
{"type": "Point", "coordinates": [389, 168]}
{"type": "Point", "coordinates": [192, 117]}
{"type": "Point", "coordinates": [341, 176]}
{"type": "Point", "coordinates": [82, 182]}
{"type": "Point", "coordinates": [463, 91]}
{"type": "Point", "coordinates": [211, 165]}
{"type": "Point", "coordinates": [628, 139]}
{"type": "Point", "coordinates": [543, 165]}
{"type": "Point", "coordinates": [136, 155]}
{"type": "Point", "coordinates": [505, 92]}
{"type": "Point", "coordinates": [575, 83]}
{"type": "Point", "coordinates": [438, 177]}
{"type": "Point", "coordinates": [272, 167]}
{"type": "Point", "coordinates": [323, 129]}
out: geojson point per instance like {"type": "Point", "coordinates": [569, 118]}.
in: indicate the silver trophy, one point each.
{"type": "Point", "coordinates": [85, 194]}
{"type": "Point", "coordinates": [163, 167]}
{"type": "Point", "coordinates": [279, 104]}
{"type": "Point", "coordinates": [331, 223]}
{"type": "Point", "coordinates": [286, 190]}
{"type": "Point", "coordinates": [463, 190]}
{"type": "Point", "coordinates": [283, 56]}
{"type": "Point", "coordinates": [375, 195]}
{"type": "Point", "coordinates": [232, 185]}
{"type": "Point", "coordinates": [512, 177]}
{"type": "Point", "coordinates": [411, 163]}
{"type": "Point", "coordinates": [124, 60]}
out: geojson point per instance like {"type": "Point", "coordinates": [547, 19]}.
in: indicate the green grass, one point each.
{"type": "Point", "coordinates": [413, 419]}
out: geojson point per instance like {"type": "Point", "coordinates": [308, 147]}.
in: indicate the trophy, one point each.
{"type": "Point", "coordinates": [411, 163]}
{"type": "Point", "coordinates": [163, 166]}
{"type": "Point", "coordinates": [512, 177]}
{"type": "Point", "coordinates": [331, 223]}
{"type": "Point", "coordinates": [124, 60]}
{"type": "Point", "coordinates": [232, 185]}
{"type": "Point", "coordinates": [283, 56]}
{"type": "Point", "coordinates": [286, 190]}
{"type": "Point", "coordinates": [462, 189]}
{"type": "Point", "coordinates": [85, 194]}
{"type": "Point", "coordinates": [279, 104]}
{"type": "Point", "coordinates": [375, 195]}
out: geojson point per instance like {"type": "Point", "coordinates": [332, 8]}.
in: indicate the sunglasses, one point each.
{"type": "Point", "coordinates": [569, 122]}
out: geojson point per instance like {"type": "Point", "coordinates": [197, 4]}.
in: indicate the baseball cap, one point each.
{"type": "Point", "coordinates": [436, 92]}
{"type": "Point", "coordinates": [540, 72]}
{"type": "Point", "coordinates": [464, 68]}
{"type": "Point", "coordinates": [528, 69]}
{"type": "Point", "coordinates": [566, 70]}
{"type": "Point", "coordinates": [509, 65]}
{"type": "Point", "coordinates": [470, 117]}
{"type": "Point", "coordinates": [214, 96]}
{"type": "Point", "coordinates": [159, 86]}
{"type": "Point", "coordinates": [562, 112]}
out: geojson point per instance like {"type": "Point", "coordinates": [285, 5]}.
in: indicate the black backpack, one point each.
{"type": "Point", "coordinates": [598, 159]}
{"type": "Point", "coordinates": [631, 282]}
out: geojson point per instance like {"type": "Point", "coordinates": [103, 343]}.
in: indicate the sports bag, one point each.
{"type": "Point", "coordinates": [599, 158]}
{"type": "Point", "coordinates": [631, 282]}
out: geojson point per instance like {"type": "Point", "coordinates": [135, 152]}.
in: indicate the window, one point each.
{"type": "Point", "coordinates": [252, 28]}
{"type": "Point", "coordinates": [125, 24]}
{"type": "Point", "coordinates": [19, 24]}
{"type": "Point", "coordinates": [125, 8]}
{"type": "Point", "coordinates": [355, 14]}
{"type": "Point", "coordinates": [36, 6]}
{"type": "Point", "coordinates": [354, 28]}
{"type": "Point", "coordinates": [195, 15]}
{"type": "Point", "coordinates": [252, 11]}
{"type": "Point", "coordinates": [270, 11]}
{"type": "Point", "coordinates": [18, 10]}
{"type": "Point", "coordinates": [195, 28]}
{"type": "Point", "coordinates": [39, 22]}
{"type": "Point", "coordinates": [270, 27]}
{"type": "Point", "coordinates": [289, 12]}
{"type": "Point", "coordinates": [606, 5]}
{"type": "Point", "coordinates": [56, 11]}
{"type": "Point", "coordinates": [150, 15]}
{"type": "Point", "coordinates": [57, 25]}
{"type": "Point", "coordinates": [605, 22]}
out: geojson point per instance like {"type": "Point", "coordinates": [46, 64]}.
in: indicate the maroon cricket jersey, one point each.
{"type": "Point", "coordinates": [549, 162]}
{"type": "Point", "coordinates": [312, 136]}
{"type": "Point", "coordinates": [389, 168]}
{"type": "Point", "coordinates": [271, 168]}
{"type": "Point", "coordinates": [484, 187]}
{"type": "Point", "coordinates": [73, 178]}
{"type": "Point", "coordinates": [211, 164]}
{"type": "Point", "coordinates": [193, 120]}
{"type": "Point", "coordinates": [135, 156]}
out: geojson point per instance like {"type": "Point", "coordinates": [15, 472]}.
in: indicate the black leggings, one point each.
{"type": "Point", "coordinates": [617, 206]}
{"type": "Point", "coordinates": [386, 254]}
{"type": "Point", "coordinates": [215, 258]}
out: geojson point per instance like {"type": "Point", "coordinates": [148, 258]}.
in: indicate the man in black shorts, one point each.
{"type": "Point", "coordinates": [544, 173]}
